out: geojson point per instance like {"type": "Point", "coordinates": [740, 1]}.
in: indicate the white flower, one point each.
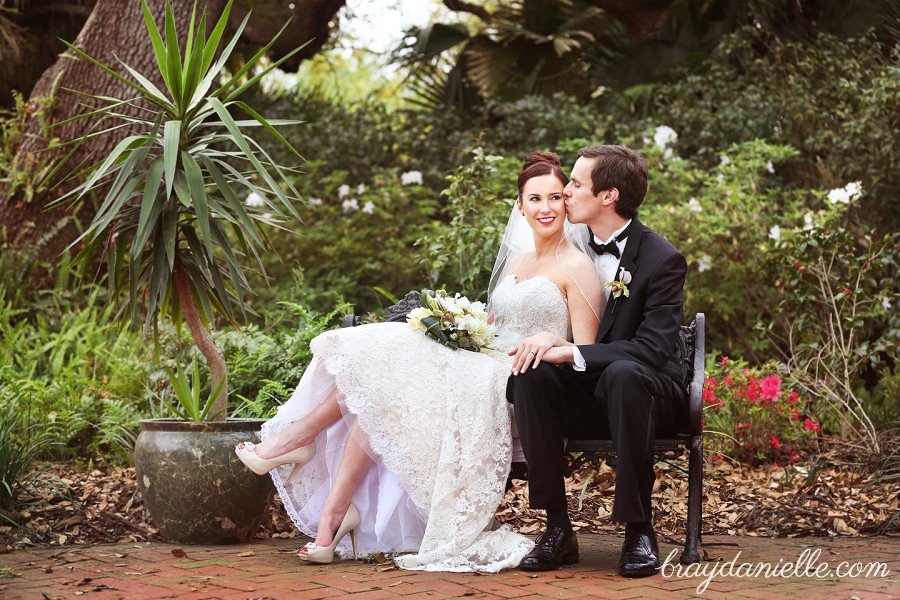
{"type": "Point", "coordinates": [477, 309]}
{"type": "Point", "coordinates": [775, 232]}
{"type": "Point", "coordinates": [844, 195]}
{"type": "Point", "coordinates": [694, 206]}
{"type": "Point", "coordinates": [415, 318]}
{"type": "Point", "coordinates": [368, 207]}
{"type": "Point", "coordinates": [315, 201]}
{"type": "Point", "coordinates": [770, 167]}
{"type": "Point", "coordinates": [343, 191]}
{"type": "Point", "coordinates": [463, 303]}
{"type": "Point", "coordinates": [624, 276]}
{"type": "Point", "coordinates": [411, 178]}
{"type": "Point", "coordinates": [449, 305]}
{"type": "Point", "coordinates": [664, 136]}
{"type": "Point", "coordinates": [808, 221]}
{"type": "Point", "coordinates": [361, 189]}
{"type": "Point", "coordinates": [724, 161]}
{"type": "Point", "coordinates": [720, 178]}
{"type": "Point", "coordinates": [350, 205]}
{"type": "Point", "coordinates": [254, 200]}
{"type": "Point", "coordinates": [704, 263]}
{"type": "Point", "coordinates": [886, 303]}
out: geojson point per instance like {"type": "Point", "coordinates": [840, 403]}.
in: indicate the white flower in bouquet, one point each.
{"type": "Point", "coordinates": [453, 321]}
{"type": "Point", "coordinates": [415, 318]}
{"type": "Point", "coordinates": [450, 306]}
{"type": "Point", "coordinates": [478, 309]}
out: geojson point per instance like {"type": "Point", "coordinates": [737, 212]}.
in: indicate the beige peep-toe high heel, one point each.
{"type": "Point", "coordinates": [323, 555]}
{"type": "Point", "coordinates": [298, 456]}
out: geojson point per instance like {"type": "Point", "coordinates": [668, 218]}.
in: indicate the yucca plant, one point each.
{"type": "Point", "coordinates": [172, 226]}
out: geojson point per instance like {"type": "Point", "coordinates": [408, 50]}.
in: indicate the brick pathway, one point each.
{"type": "Point", "coordinates": [269, 569]}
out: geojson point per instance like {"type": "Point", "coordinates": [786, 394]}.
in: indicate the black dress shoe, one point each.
{"type": "Point", "coordinates": [555, 547]}
{"type": "Point", "coordinates": [640, 553]}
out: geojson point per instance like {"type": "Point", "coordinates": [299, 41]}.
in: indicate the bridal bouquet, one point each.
{"type": "Point", "coordinates": [453, 321]}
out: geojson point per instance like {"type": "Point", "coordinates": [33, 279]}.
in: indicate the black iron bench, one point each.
{"type": "Point", "coordinates": [691, 352]}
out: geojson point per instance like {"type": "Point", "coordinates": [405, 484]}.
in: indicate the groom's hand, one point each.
{"type": "Point", "coordinates": [543, 346]}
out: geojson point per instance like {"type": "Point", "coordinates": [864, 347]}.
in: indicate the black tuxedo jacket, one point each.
{"type": "Point", "coordinates": [644, 326]}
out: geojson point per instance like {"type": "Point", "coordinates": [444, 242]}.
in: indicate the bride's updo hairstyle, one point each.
{"type": "Point", "coordinates": [540, 163]}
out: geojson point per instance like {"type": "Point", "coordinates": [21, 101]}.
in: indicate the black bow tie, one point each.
{"type": "Point", "coordinates": [610, 248]}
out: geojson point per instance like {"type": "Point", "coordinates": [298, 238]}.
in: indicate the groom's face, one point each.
{"type": "Point", "coordinates": [581, 203]}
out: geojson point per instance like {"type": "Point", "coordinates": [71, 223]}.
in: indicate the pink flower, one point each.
{"type": "Point", "coordinates": [742, 425]}
{"type": "Point", "coordinates": [751, 392]}
{"type": "Point", "coordinates": [724, 361]}
{"type": "Point", "coordinates": [795, 414]}
{"type": "Point", "coordinates": [792, 399]}
{"type": "Point", "coordinates": [718, 458]}
{"type": "Point", "coordinates": [773, 441]}
{"type": "Point", "coordinates": [770, 387]}
{"type": "Point", "coordinates": [810, 425]}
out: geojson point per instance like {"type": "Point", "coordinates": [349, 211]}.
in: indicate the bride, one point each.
{"type": "Point", "coordinates": [406, 444]}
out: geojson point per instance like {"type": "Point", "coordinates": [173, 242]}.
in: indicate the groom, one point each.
{"type": "Point", "coordinates": [621, 388]}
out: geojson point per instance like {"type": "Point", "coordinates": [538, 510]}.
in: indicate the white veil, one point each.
{"type": "Point", "coordinates": [518, 239]}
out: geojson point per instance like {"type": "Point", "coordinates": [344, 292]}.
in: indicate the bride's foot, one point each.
{"type": "Point", "coordinates": [290, 438]}
{"type": "Point", "coordinates": [246, 451]}
{"type": "Point", "coordinates": [322, 550]}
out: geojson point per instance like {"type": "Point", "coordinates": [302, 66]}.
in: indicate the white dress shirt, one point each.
{"type": "Point", "coordinates": [606, 265]}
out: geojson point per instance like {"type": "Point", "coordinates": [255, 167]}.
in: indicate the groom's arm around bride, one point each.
{"type": "Point", "coordinates": [624, 386]}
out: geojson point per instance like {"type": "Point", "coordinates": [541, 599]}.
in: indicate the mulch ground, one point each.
{"type": "Point", "coordinates": [65, 505]}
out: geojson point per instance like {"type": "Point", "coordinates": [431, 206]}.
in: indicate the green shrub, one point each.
{"type": "Point", "coordinates": [480, 197]}
{"type": "Point", "coordinates": [836, 322]}
{"type": "Point", "coordinates": [357, 235]}
{"type": "Point", "coordinates": [721, 219]}
{"type": "Point", "coordinates": [73, 374]}
{"type": "Point", "coordinates": [837, 102]}
{"type": "Point", "coordinates": [17, 449]}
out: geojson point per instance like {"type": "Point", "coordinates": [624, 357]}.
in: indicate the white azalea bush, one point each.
{"type": "Point", "coordinates": [453, 321]}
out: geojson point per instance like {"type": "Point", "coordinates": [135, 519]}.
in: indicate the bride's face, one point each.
{"type": "Point", "coordinates": [543, 205]}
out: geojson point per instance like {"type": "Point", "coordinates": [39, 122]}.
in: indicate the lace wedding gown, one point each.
{"type": "Point", "coordinates": [438, 425]}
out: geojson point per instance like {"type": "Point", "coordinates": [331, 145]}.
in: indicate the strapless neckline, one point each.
{"type": "Point", "coordinates": [517, 282]}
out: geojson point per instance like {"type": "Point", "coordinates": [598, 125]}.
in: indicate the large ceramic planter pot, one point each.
{"type": "Point", "coordinates": [195, 488]}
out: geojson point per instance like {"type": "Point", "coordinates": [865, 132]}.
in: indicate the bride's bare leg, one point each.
{"type": "Point", "coordinates": [302, 431]}
{"type": "Point", "coordinates": [355, 463]}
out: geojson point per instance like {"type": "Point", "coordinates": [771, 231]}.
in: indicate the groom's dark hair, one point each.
{"type": "Point", "coordinates": [622, 168]}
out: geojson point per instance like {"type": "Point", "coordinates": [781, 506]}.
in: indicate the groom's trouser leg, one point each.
{"type": "Point", "coordinates": [547, 401]}
{"type": "Point", "coordinates": [640, 402]}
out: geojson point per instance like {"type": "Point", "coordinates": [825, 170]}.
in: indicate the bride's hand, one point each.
{"type": "Point", "coordinates": [531, 351]}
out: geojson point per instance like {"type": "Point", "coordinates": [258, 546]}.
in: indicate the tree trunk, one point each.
{"type": "Point", "coordinates": [114, 29]}
{"type": "Point", "coordinates": [214, 357]}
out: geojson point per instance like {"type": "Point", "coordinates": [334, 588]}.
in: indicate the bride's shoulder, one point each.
{"type": "Point", "coordinates": [575, 259]}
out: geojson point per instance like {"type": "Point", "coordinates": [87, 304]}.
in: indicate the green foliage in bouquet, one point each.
{"type": "Point", "coordinates": [454, 322]}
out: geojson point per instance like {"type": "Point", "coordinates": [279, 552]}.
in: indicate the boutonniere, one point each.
{"type": "Point", "coordinates": [620, 286]}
